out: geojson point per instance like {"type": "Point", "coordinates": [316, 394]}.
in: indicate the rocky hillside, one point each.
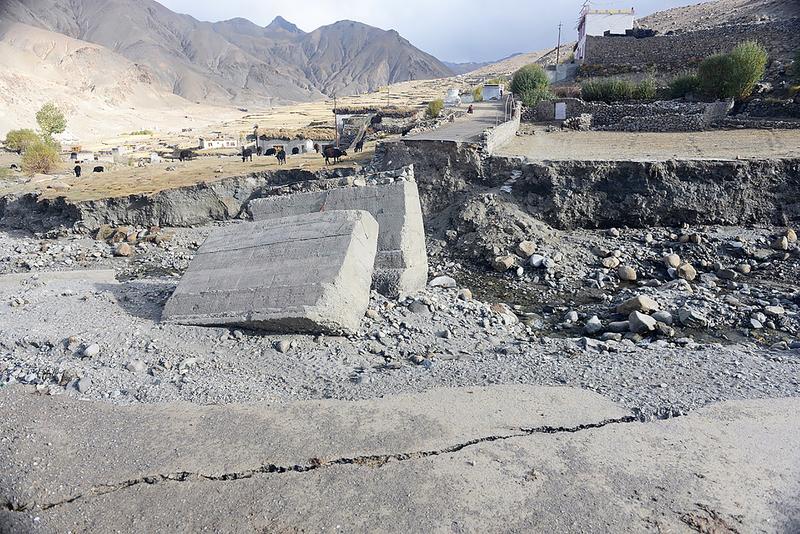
{"type": "Point", "coordinates": [105, 92]}
{"type": "Point", "coordinates": [720, 13]}
{"type": "Point", "coordinates": [235, 61]}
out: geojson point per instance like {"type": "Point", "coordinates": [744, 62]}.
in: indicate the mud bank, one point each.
{"type": "Point", "coordinates": [598, 194]}
{"type": "Point", "coordinates": [184, 206]}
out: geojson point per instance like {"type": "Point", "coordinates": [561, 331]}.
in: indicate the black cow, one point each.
{"type": "Point", "coordinates": [247, 154]}
{"type": "Point", "coordinates": [281, 157]}
{"type": "Point", "coordinates": [185, 154]}
{"type": "Point", "coordinates": [295, 151]}
{"type": "Point", "coordinates": [98, 169]}
{"type": "Point", "coordinates": [377, 119]}
{"type": "Point", "coordinates": [259, 150]}
{"type": "Point", "coordinates": [316, 148]}
{"type": "Point", "coordinates": [270, 152]}
{"type": "Point", "coordinates": [331, 153]}
{"type": "Point", "coordinates": [359, 145]}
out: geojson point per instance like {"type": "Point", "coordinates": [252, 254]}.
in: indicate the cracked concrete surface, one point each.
{"type": "Point", "coordinates": [511, 458]}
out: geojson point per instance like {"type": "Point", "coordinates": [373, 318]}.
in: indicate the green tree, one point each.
{"type": "Point", "coordinates": [435, 108]}
{"type": "Point", "coordinates": [733, 75]}
{"type": "Point", "coordinates": [40, 158]}
{"type": "Point", "coordinates": [20, 140]}
{"type": "Point", "coordinates": [51, 120]}
{"type": "Point", "coordinates": [477, 94]}
{"type": "Point", "coordinates": [529, 78]}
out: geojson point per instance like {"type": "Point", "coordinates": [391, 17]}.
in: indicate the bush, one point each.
{"type": "Point", "coordinates": [20, 140]}
{"type": "Point", "coordinates": [684, 85]}
{"type": "Point", "coordinates": [531, 85]}
{"type": "Point", "coordinates": [40, 158]}
{"type": "Point", "coordinates": [477, 94]}
{"type": "Point", "coordinates": [567, 91]}
{"type": "Point", "coordinates": [435, 108]}
{"type": "Point", "coordinates": [610, 91]}
{"type": "Point", "coordinates": [51, 120]}
{"type": "Point", "coordinates": [733, 75]}
{"type": "Point", "coordinates": [529, 78]}
{"type": "Point", "coordinates": [142, 132]}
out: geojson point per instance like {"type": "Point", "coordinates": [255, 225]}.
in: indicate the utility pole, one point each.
{"type": "Point", "coordinates": [335, 121]}
{"type": "Point", "coordinates": [558, 48]}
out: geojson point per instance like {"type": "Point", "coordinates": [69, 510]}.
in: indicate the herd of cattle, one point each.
{"type": "Point", "coordinates": [329, 152]}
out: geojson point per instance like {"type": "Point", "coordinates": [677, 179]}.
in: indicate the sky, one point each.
{"type": "Point", "coordinates": [459, 31]}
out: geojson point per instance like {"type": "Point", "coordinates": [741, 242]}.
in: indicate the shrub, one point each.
{"type": "Point", "coordinates": [684, 85]}
{"type": "Point", "coordinates": [477, 94]}
{"type": "Point", "coordinates": [435, 108]}
{"type": "Point", "coordinates": [533, 97]}
{"type": "Point", "coordinates": [51, 120]}
{"type": "Point", "coordinates": [567, 91]}
{"type": "Point", "coordinates": [529, 78]}
{"type": "Point", "coordinates": [41, 157]}
{"type": "Point", "coordinates": [142, 132]}
{"type": "Point", "coordinates": [610, 91]}
{"type": "Point", "coordinates": [20, 140]}
{"type": "Point", "coordinates": [733, 75]}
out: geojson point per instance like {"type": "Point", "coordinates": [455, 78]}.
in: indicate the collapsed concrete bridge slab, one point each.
{"type": "Point", "coordinates": [401, 265]}
{"type": "Point", "coordinates": [309, 273]}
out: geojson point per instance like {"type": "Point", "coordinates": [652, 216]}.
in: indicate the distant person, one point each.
{"type": "Point", "coordinates": [469, 109]}
{"type": "Point", "coordinates": [77, 170]}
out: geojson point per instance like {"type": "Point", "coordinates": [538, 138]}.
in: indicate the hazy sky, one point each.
{"type": "Point", "coordinates": [463, 30]}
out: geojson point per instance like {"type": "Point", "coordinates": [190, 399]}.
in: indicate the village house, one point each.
{"type": "Point", "coordinates": [218, 142]}
{"type": "Point", "coordinates": [493, 91]}
{"type": "Point", "coordinates": [600, 22]}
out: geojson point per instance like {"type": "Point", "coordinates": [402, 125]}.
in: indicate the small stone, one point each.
{"type": "Point", "coordinates": [619, 326]}
{"type": "Point", "coordinates": [571, 317]}
{"type": "Point", "coordinates": [443, 281]}
{"type": "Point", "coordinates": [627, 274]}
{"type": "Point", "coordinates": [417, 306]}
{"type": "Point", "coordinates": [791, 235]}
{"type": "Point", "coordinates": [672, 260]}
{"type": "Point", "coordinates": [372, 314]}
{"type": "Point", "coordinates": [692, 318]}
{"type": "Point", "coordinates": [104, 232]}
{"type": "Point", "coordinates": [283, 346]}
{"type": "Point", "coordinates": [727, 274]}
{"type": "Point", "coordinates": [663, 317]}
{"type": "Point", "coordinates": [775, 311]}
{"type": "Point", "coordinates": [593, 326]}
{"type": "Point", "coordinates": [687, 272]}
{"type": "Point", "coordinates": [743, 268]}
{"type": "Point", "coordinates": [782, 243]}
{"type": "Point", "coordinates": [640, 303]}
{"type": "Point", "coordinates": [123, 250]}
{"type": "Point", "coordinates": [91, 351]}
{"type": "Point", "coordinates": [136, 366]}
{"type": "Point", "coordinates": [537, 260]}
{"type": "Point", "coordinates": [503, 263]}
{"type": "Point", "coordinates": [526, 249]}
{"type": "Point", "coordinates": [641, 323]}
{"type": "Point", "coordinates": [613, 232]}
{"type": "Point", "coordinates": [610, 262]}
{"type": "Point", "coordinates": [465, 295]}
{"type": "Point", "coordinates": [83, 385]}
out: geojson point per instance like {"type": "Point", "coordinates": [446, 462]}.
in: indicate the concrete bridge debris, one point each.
{"type": "Point", "coordinates": [307, 273]}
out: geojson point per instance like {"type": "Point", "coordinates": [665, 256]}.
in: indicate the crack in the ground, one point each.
{"type": "Point", "coordinates": [373, 461]}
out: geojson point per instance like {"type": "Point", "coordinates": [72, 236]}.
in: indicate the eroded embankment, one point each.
{"type": "Point", "coordinates": [564, 194]}
{"type": "Point", "coordinates": [184, 206]}
{"type": "Point", "coordinates": [596, 194]}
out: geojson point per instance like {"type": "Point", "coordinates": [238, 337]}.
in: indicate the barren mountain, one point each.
{"type": "Point", "coordinates": [235, 61]}
{"type": "Point", "coordinates": [102, 92]}
{"type": "Point", "coordinates": [720, 13]}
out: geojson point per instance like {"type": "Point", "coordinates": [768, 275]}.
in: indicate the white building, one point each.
{"type": "Point", "coordinates": [596, 22]}
{"type": "Point", "coordinates": [493, 91]}
{"type": "Point", "coordinates": [452, 99]}
{"type": "Point", "coordinates": [218, 142]}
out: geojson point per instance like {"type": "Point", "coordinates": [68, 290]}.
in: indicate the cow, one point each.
{"type": "Point", "coordinates": [316, 148]}
{"type": "Point", "coordinates": [295, 151]}
{"type": "Point", "coordinates": [247, 153]}
{"type": "Point", "coordinates": [376, 119]}
{"type": "Point", "coordinates": [332, 153]}
{"type": "Point", "coordinates": [259, 150]}
{"type": "Point", "coordinates": [185, 154]}
{"type": "Point", "coordinates": [99, 168]}
{"type": "Point", "coordinates": [270, 152]}
{"type": "Point", "coordinates": [281, 157]}
{"type": "Point", "coordinates": [359, 145]}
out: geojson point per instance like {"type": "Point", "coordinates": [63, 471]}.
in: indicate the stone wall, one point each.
{"type": "Point", "coordinates": [502, 133]}
{"type": "Point", "coordinates": [680, 50]}
{"type": "Point", "coordinates": [672, 116]}
{"type": "Point", "coordinates": [774, 109]}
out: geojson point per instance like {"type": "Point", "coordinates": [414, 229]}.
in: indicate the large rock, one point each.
{"type": "Point", "coordinates": [401, 266]}
{"type": "Point", "coordinates": [307, 273]}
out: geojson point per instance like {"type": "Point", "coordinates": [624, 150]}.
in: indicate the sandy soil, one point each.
{"type": "Point", "coordinates": [717, 144]}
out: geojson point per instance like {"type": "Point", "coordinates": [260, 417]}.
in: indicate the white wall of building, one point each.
{"type": "Point", "coordinates": [596, 23]}
{"type": "Point", "coordinates": [492, 92]}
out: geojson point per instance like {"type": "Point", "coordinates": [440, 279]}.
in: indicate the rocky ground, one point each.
{"type": "Point", "coordinates": [662, 321]}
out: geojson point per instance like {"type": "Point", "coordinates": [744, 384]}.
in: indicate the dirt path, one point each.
{"type": "Point", "coordinates": [718, 144]}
